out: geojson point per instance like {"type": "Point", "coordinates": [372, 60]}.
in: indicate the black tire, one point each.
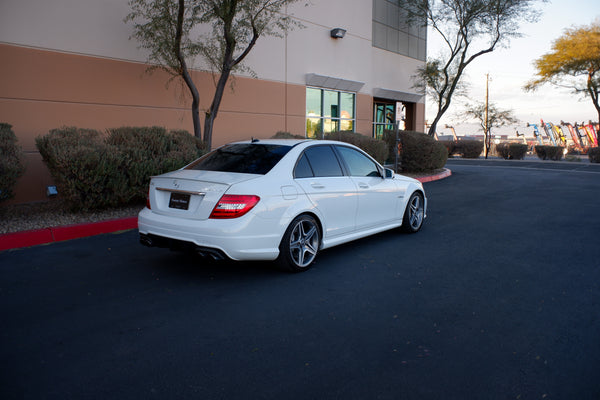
{"type": "Point", "coordinates": [300, 244]}
{"type": "Point", "coordinates": [414, 213]}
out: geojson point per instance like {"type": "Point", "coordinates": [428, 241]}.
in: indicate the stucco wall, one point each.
{"type": "Point", "coordinates": [71, 63]}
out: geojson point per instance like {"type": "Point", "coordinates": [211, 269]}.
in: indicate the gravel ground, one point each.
{"type": "Point", "coordinates": [23, 217]}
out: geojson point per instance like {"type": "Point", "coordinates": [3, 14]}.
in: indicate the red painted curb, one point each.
{"type": "Point", "coordinates": [60, 233]}
{"type": "Point", "coordinates": [25, 238]}
{"type": "Point", "coordinates": [444, 174]}
{"type": "Point", "coordinates": [77, 231]}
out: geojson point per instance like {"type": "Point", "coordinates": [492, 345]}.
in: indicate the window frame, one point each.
{"type": "Point", "coordinates": [392, 32]}
{"type": "Point", "coordinates": [323, 118]}
{"type": "Point", "coordinates": [246, 160]}
{"type": "Point", "coordinates": [380, 126]}
{"type": "Point", "coordinates": [340, 163]}
{"type": "Point", "coordinates": [348, 166]}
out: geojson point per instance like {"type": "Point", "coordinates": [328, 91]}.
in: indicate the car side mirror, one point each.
{"type": "Point", "coordinates": [389, 174]}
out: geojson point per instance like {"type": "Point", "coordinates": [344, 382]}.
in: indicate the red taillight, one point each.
{"type": "Point", "coordinates": [233, 206]}
{"type": "Point", "coordinates": [148, 200]}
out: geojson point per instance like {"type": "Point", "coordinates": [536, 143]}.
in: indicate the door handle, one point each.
{"type": "Point", "coordinates": [317, 185]}
{"type": "Point", "coordinates": [363, 186]}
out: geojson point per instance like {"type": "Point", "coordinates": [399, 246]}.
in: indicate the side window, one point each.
{"type": "Point", "coordinates": [322, 161]}
{"type": "Point", "coordinates": [303, 169]}
{"type": "Point", "coordinates": [358, 164]}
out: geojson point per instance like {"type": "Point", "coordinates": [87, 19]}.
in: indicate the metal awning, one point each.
{"type": "Point", "coordinates": [398, 96]}
{"type": "Point", "coordinates": [330, 82]}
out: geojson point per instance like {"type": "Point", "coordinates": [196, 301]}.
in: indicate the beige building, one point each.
{"type": "Point", "coordinates": [71, 63]}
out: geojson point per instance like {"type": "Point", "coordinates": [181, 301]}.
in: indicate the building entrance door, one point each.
{"type": "Point", "coordinates": [384, 116]}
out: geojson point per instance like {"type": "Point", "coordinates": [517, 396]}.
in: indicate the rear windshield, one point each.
{"type": "Point", "coordinates": [247, 158]}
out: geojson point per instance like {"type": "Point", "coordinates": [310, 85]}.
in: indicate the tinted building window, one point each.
{"type": "Point", "coordinates": [392, 32]}
{"type": "Point", "coordinates": [328, 111]}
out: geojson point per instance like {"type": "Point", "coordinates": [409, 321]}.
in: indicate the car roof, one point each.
{"type": "Point", "coordinates": [287, 142]}
{"type": "Point", "coordinates": [290, 142]}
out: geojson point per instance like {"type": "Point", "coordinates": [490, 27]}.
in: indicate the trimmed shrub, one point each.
{"type": "Point", "coordinates": [594, 154]}
{"type": "Point", "coordinates": [93, 172]}
{"type": "Point", "coordinates": [149, 151]}
{"type": "Point", "coordinates": [420, 152]}
{"type": "Point", "coordinates": [56, 146]}
{"type": "Point", "coordinates": [11, 162]}
{"type": "Point", "coordinates": [450, 146]}
{"type": "Point", "coordinates": [389, 137]}
{"type": "Point", "coordinates": [512, 151]}
{"type": "Point", "coordinates": [376, 148]}
{"type": "Point", "coordinates": [83, 169]}
{"type": "Point", "coordinates": [287, 135]}
{"type": "Point", "coordinates": [468, 148]}
{"type": "Point", "coordinates": [549, 152]}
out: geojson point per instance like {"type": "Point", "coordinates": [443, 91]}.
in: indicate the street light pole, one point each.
{"type": "Point", "coordinates": [487, 138]}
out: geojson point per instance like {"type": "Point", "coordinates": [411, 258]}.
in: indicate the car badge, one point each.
{"type": "Point", "coordinates": [175, 184]}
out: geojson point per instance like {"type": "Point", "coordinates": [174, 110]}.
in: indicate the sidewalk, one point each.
{"type": "Point", "coordinates": [36, 237]}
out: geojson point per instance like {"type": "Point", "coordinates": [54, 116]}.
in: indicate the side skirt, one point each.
{"type": "Point", "coordinates": [330, 242]}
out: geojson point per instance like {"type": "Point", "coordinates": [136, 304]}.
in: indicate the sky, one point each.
{"type": "Point", "coordinates": [511, 68]}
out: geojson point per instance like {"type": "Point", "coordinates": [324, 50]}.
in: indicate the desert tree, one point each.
{"type": "Point", "coordinates": [489, 116]}
{"type": "Point", "coordinates": [468, 29]}
{"type": "Point", "coordinates": [225, 33]}
{"type": "Point", "coordinates": [164, 27]}
{"type": "Point", "coordinates": [573, 63]}
{"type": "Point", "coordinates": [236, 27]}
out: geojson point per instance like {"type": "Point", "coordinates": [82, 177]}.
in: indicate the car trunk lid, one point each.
{"type": "Point", "coordinates": [191, 194]}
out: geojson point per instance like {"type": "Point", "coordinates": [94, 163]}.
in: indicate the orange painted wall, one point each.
{"type": "Point", "coordinates": [41, 90]}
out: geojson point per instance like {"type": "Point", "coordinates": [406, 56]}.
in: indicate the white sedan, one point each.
{"type": "Point", "coordinates": [280, 200]}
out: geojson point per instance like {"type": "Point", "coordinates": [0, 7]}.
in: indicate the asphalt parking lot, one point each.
{"type": "Point", "coordinates": [498, 297]}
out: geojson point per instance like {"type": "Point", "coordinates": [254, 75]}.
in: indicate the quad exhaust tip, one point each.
{"type": "Point", "coordinates": [173, 244]}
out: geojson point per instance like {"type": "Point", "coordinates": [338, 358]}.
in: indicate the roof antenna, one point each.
{"type": "Point", "coordinates": [254, 140]}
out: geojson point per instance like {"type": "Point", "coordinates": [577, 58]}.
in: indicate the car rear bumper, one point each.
{"type": "Point", "coordinates": [237, 239]}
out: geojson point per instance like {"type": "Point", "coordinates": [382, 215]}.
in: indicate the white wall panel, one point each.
{"type": "Point", "coordinates": [93, 27]}
{"type": "Point", "coordinates": [96, 27]}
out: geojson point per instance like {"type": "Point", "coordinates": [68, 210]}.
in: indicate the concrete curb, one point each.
{"type": "Point", "coordinates": [36, 237]}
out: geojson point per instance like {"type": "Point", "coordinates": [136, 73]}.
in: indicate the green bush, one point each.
{"type": "Point", "coordinates": [93, 172]}
{"type": "Point", "coordinates": [512, 151]}
{"type": "Point", "coordinates": [549, 152]}
{"type": "Point", "coordinates": [594, 154]}
{"type": "Point", "coordinates": [376, 148]}
{"type": "Point", "coordinates": [11, 161]}
{"type": "Point", "coordinates": [468, 148]}
{"type": "Point", "coordinates": [420, 152]}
